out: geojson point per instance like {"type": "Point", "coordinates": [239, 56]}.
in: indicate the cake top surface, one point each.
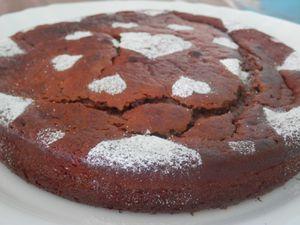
{"type": "Point", "coordinates": [144, 91]}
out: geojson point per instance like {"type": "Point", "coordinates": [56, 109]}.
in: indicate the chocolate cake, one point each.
{"type": "Point", "coordinates": [150, 111]}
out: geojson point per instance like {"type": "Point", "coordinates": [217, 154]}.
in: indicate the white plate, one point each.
{"type": "Point", "coordinates": [21, 203]}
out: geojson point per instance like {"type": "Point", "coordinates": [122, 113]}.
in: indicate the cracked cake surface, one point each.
{"type": "Point", "coordinates": [148, 111]}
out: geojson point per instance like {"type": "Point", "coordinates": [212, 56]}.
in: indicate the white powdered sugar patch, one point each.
{"type": "Point", "coordinates": [274, 39]}
{"type": "Point", "coordinates": [49, 135]}
{"type": "Point", "coordinates": [292, 62]}
{"type": "Point", "coordinates": [286, 124]}
{"type": "Point", "coordinates": [11, 107]}
{"type": "Point", "coordinates": [233, 65]}
{"type": "Point", "coordinates": [115, 43]}
{"type": "Point", "coordinates": [64, 62]}
{"type": "Point", "coordinates": [153, 12]}
{"type": "Point", "coordinates": [9, 48]}
{"type": "Point", "coordinates": [242, 147]}
{"type": "Point", "coordinates": [232, 25]}
{"type": "Point", "coordinates": [225, 42]}
{"type": "Point", "coordinates": [178, 27]}
{"type": "Point", "coordinates": [111, 85]}
{"type": "Point", "coordinates": [78, 35]}
{"type": "Point", "coordinates": [143, 152]}
{"type": "Point", "coordinates": [185, 87]}
{"type": "Point", "coordinates": [124, 25]}
{"type": "Point", "coordinates": [28, 29]}
{"type": "Point", "coordinates": [153, 46]}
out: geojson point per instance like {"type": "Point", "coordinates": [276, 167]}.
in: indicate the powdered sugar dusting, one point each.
{"type": "Point", "coordinates": [233, 65]}
{"type": "Point", "coordinates": [9, 48]}
{"type": "Point", "coordinates": [64, 62]}
{"type": "Point", "coordinates": [274, 39]}
{"type": "Point", "coordinates": [28, 29]}
{"type": "Point", "coordinates": [124, 25]}
{"type": "Point", "coordinates": [115, 43]}
{"type": "Point", "coordinates": [153, 46]}
{"type": "Point", "coordinates": [143, 153]}
{"type": "Point", "coordinates": [291, 63]}
{"type": "Point", "coordinates": [232, 25]}
{"type": "Point", "coordinates": [153, 12]}
{"type": "Point", "coordinates": [286, 124]}
{"type": "Point", "coordinates": [111, 85]}
{"type": "Point", "coordinates": [178, 27]}
{"type": "Point", "coordinates": [185, 87]}
{"type": "Point", "coordinates": [78, 35]}
{"type": "Point", "coordinates": [11, 107]}
{"type": "Point", "coordinates": [225, 42]}
{"type": "Point", "coordinates": [242, 147]}
{"type": "Point", "coordinates": [49, 135]}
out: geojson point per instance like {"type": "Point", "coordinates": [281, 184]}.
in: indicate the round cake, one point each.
{"type": "Point", "coordinates": [150, 111]}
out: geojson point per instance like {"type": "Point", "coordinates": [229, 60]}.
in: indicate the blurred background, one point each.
{"type": "Point", "coordinates": [285, 9]}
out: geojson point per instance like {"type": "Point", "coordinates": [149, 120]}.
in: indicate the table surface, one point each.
{"type": "Point", "coordinates": [7, 6]}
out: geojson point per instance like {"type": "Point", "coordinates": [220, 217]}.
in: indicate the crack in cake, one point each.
{"type": "Point", "coordinates": [150, 111]}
